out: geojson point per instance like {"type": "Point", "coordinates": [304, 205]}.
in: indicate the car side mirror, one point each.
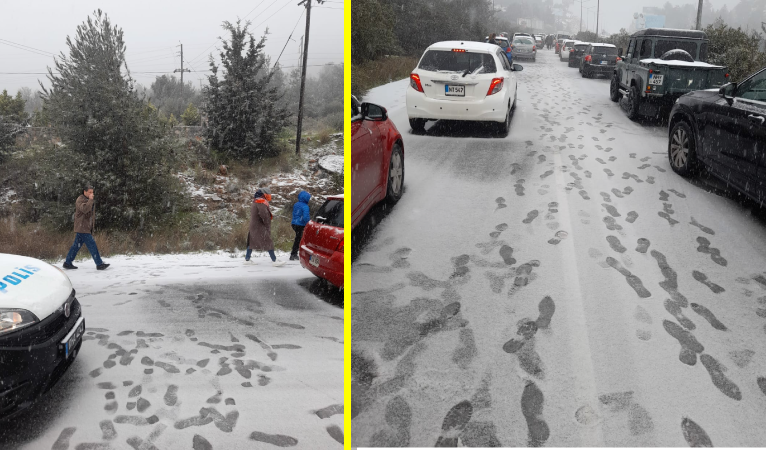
{"type": "Point", "coordinates": [373, 112]}
{"type": "Point", "coordinates": [518, 67]}
{"type": "Point", "coordinates": [727, 91]}
{"type": "Point", "coordinates": [619, 52]}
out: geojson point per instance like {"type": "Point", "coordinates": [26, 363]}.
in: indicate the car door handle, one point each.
{"type": "Point", "coordinates": [754, 118]}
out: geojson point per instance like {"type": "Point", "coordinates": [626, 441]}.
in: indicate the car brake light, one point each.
{"type": "Point", "coordinates": [508, 49]}
{"type": "Point", "coordinates": [618, 59]}
{"type": "Point", "coordinates": [571, 50]}
{"type": "Point", "coordinates": [534, 48]}
{"type": "Point", "coordinates": [415, 82]}
{"type": "Point", "coordinates": [459, 50]}
{"type": "Point", "coordinates": [587, 58]}
{"type": "Point", "coordinates": [495, 86]}
{"type": "Point", "coordinates": [651, 71]}
{"type": "Point", "coordinates": [727, 75]}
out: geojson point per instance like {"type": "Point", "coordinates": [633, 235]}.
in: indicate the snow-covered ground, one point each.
{"type": "Point", "coordinates": [194, 351]}
{"type": "Point", "coordinates": [558, 286]}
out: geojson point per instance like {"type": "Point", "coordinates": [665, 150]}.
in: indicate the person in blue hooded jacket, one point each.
{"type": "Point", "coordinates": [301, 217]}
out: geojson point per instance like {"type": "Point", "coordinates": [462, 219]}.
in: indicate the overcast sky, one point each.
{"type": "Point", "coordinates": [616, 14]}
{"type": "Point", "coordinates": [153, 29]}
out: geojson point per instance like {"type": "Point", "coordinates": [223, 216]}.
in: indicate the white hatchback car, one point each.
{"type": "Point", "coordinates": [41, 330]}
{"type": "Point", "coordinates": [462, 80]}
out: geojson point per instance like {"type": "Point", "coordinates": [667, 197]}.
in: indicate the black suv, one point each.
{"type": "Point", "coordinates": [598, 59]}
{"type": "Point", "coordinates": [725, 131]}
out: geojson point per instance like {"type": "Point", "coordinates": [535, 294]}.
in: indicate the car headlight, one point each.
{"type": "Point", "coordinates": [15, 319]}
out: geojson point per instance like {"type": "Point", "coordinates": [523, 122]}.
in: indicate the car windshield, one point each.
{"type": "Point", "coordinates": [663, 46]}
{"type": "Point", "coordinates": [522, 41]}
{"type": "Point", "coordinates": [451, 61]}
{"type": "Point", "coordinates": [331, 213]}
{"type": "Point", "coordinates": [606, 51]}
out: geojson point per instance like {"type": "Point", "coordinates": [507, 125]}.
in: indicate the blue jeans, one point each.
{"type": "Point", "coordinates": [250, 252]}
{"type": "Point", "coordinates": [87, 239]}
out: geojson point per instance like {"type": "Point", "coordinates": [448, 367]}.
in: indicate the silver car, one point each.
{"type": "Point", "coordinates": [524, 47]}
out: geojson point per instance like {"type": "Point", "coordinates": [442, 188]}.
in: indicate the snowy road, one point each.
{"type": "Point", "coordinates": [195, 351]}
{"type": "Point", "coordinates": [560, 286]}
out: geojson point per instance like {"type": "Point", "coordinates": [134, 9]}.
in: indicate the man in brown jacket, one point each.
{"type": "Point", "coordinates": [259, 236]}
{"type": "Point", "coordinates": [84, 220]}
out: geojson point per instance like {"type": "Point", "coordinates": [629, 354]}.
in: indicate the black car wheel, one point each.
{"type": "Point", "coordinates": [681, 149]}
{"type": "Point", "coordinates": [395, 175]}
{"type": "Point", "coordinates": [504, 127]}
{"type": "Point", "coordinates": [634, 103]}
{"type": "Point", "coordinates": [614, 89]}
{"type": "Point", "coordinates": [418, 124]}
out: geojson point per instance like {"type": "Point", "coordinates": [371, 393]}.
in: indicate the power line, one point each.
{"type": "Point", "coordinates": [26, 48]}
{"type": "Point", "coordinates": [288, 38]}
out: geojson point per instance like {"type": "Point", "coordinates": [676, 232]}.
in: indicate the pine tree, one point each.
{"type": "Point", "coordinates": [245, 111]}
{"type": "Point", "coordinates": [112, 139]}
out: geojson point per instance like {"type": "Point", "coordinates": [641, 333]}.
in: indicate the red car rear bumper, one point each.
{"type": "Point", "coordinates": [330, 265]}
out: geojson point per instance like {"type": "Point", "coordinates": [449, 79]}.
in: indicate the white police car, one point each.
{"type": "Point", "coordinates": [41, 329]}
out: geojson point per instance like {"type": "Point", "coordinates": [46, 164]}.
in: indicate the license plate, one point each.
{"type": "Point", "coordinates": [655, 79]}
{"type": "Point", "coordinates": [454, 90]}
{"type": "Point", "coordinates": [71, 340]}
{"type": "Point", "coordinates": [314, 260]}
{"type": "Point", "coordinates": [603, 63]}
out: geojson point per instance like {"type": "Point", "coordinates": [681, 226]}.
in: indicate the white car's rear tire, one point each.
{"type": "Point", "coordinates": [418, 124]}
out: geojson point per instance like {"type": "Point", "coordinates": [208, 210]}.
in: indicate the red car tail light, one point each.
{"type": "Point", "coordinates": [534, 48]}
{"type": "Point", "coordinates": [495, 86]}
{"type": "Point", "coordinates": [571, 50]}
{"type": "Point", "coordinates": [727, 75]}
{"type": "Point", "coordinates": [618, 59]}
{"type": "Point", "coordinates": [458, 50]}
{"type": "Point", "coordinates": [588, 58]}
{"type": "Point", "coordinates": [508, 49]}
{"type": "Point", "coordinates": [415, 82]}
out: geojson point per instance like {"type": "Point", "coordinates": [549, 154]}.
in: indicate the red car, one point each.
{"type": "Point", "coordinates": [321, 249]}
{"type": "Point", "coordinates": [377, 159]}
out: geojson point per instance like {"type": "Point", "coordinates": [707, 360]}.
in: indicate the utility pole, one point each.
{"type": "Point", "coordinates": [598, 9]}
{"type": "Point", "coordinates": [581, 2]}
{"type": "Point", "coordinates": [699, 16]}
{"type": "Point", "coordinates": [303, 72]}
{"type": "Point", "coordinates": [182, 70]}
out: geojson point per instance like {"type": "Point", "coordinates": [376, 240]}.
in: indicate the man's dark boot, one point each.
{"type": "Point", "coordinates": [102, 266]}
{"type": "Point", "coordinates": [293, 257]}
{"type": "Point", "coordinates": [69, 266]}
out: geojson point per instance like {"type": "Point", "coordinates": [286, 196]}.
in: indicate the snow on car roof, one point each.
{"type": "Point", "coordinates": [497, 37]}
{"type": "Point", "coordinates": [672, 62]}
{"type": "Point", "coordinates": [467, 45]}
{"type": "Point", "coordinates": [598, 44]}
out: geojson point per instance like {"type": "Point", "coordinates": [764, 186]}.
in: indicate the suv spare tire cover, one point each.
{"type": "Point", "coordinates": [677, 55]}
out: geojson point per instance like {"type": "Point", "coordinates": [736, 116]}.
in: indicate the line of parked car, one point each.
{"type": "Point", "coordinates": [714, 125]}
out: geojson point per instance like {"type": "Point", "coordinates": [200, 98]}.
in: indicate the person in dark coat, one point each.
{"type": "Point", "coordinates": [301, 217]}
{"type": "Point", "coordinates": [84, 221]}
{"type": "Point", "coordinates": [259, 236]}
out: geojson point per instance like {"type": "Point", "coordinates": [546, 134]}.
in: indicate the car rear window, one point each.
{"type": "Point", "coordinates": [581, 46]}
{"type": "Point", "coordinates": [606, 51]}
{"type": "Point", "coordinates": [331, 213]}
{"type": "Point", "coordinates": [449, 61]}
{"type": "Point", "coordinates": [523, 41]}
{"type": "Point", "coordinates": [664, 46]}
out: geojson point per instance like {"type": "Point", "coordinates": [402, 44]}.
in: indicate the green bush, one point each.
{"type": "Point", "coordinates": [735, 49]}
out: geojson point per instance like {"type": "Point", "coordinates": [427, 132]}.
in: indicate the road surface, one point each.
{"type": "Point", "coordinates": [195, 351]}
{"type": "Point", "coordinates": [560, 286]}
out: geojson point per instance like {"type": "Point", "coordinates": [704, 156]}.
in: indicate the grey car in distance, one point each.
{"type": "Point", "coordinates": [524, 47]}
